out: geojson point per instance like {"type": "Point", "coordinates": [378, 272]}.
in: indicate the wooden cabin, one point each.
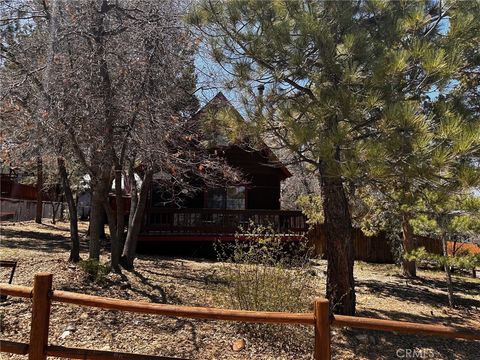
{"type": "Point", "coordinates": [218, 213]}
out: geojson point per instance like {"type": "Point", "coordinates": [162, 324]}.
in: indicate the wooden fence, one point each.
{"type": "Point", "coordinates": [42, 295]}
{"type": "Point", "coordinates": [371, 248]}
{"type": "Point", "coordinates": [23, 210]}
{"type": "Point", "coordinates": [11, 189]}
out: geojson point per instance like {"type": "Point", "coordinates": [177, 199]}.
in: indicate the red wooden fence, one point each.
{"type": "Point", "coordinates": [11, 189]}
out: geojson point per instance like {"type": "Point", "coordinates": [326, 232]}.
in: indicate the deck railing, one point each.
{"type": "Point", "coordinates": [43, 295]}
{"type": "Point", "coordinates": [219, 221]}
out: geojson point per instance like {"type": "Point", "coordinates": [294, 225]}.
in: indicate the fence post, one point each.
{"type": "Point", "coordinates": [42, 288]}
{"type": "Point", "coordinates": [322, 329]}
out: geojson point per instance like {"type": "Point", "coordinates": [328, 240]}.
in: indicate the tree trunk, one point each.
{"type": "Point", "coordinates": [55, 209]}
{"type": "Point", "coordinates": [99, 195]}
{"type": "Point", "coordinates": [39, 209]}
{"type": "Point", "coordinates": [340, 251]}
{"type": "Point", "coordinates": [120, 220]}
{"type": "Point", "coordinates": [134, 227]}
{"type": "Point", "coordinates": [133, 191]}
{"type": "Point", "coordinates": [409, 267]}
{"type": "Point", "coordinates": [61, 216]}
{"type": "Point", "coordinates": [72, 209]}
{"type": "Point", "coordinates": [54, 212]}
{"type": "Point", "coordinates": [446, 267]}
{"type": "Point", "coordinates": [111, 219]}
{"type": "Point", "coordinates": [114, 244]}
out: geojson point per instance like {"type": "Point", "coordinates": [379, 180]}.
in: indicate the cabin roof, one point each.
{"type": "Point", "coordinates": [220, 140]}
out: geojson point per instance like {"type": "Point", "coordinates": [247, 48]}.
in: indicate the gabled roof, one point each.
{"type": "Point", "coordinates": [217, 102]}
{"type": "Point", "coordinates": [220, 140]}
{"type": "Point", "coordinates": [213, 114]}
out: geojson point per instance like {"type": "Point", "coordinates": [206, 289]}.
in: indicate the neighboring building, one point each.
{"type": "Point", "coordinates": [217, 213]}
{"type": "Point", "coordinates": [12, 189]}
{"type": "Point", "coordinates": [83, 205]}
{"type": "Point", "coordinates": [18, 202]}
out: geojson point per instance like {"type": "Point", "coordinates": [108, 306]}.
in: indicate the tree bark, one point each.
{"type": "Point", "coordinates": [134, 227]}
{"type": "Point", "coordinates": [72, 209]}
{"type": "Point", "coordinates": [120, 220]}
{"type": "Point", "coordinates": [61, 216]}
{"type": "Point", "coordinates": [39, 208]}
{"type": "Point", "coordinates": [133, 192]}
{"type": "Point", "coordinates": [99, 196]}
{"type": "Point", "coordinates": [54, 212]}
{"type": "Point", "coordinates": [448, 275]}
{"type": "Point", "coordinates": [114, 244]}
{"type": "Point", "coordinates": [340, 251]}
{"type": "Point", "coordinates": [56, 204]}
{"type": "Point", "coordinates": [409, 267]}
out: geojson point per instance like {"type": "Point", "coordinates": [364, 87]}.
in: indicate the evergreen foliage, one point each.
{"type": "Point", "coordinates": [362, 92]}
{"type": "Point", "coordinates": [465, 262]}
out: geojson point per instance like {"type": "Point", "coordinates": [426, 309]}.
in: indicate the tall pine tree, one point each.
{"type": "Point", "coordinates": [427, 135]}
{"type": "Point", "coordinates": [334, 75]}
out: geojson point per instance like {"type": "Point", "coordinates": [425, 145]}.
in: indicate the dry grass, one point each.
{"type": "Point", "coordinates": [381, 292]}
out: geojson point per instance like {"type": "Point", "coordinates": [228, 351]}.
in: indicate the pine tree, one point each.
{"type": "Point", "coordinates": [335, 78]}
{"type": "Point", "coordinates": [448, 216]}
{"type": "Point", "coordinates": [423, 135]}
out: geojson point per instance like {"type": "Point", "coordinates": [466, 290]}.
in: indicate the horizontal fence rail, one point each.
{"type": "Point", "coordinates": [16, 290]}
{"type": "Point", "coordinates": [75, 353]}
{"type": "Point", "coordinates": [13, 347]}
{"type": "Point", "coordinates": [320, 319]}
{"type": "Point", "coordinates": [20, 348]}
{"type": "Point", "coordinates": [182, 311]}
{"type": "Point", "coordinates": [405, 327]}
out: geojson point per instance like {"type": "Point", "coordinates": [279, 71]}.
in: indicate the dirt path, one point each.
{"type": "Point", "coordinates": [381, 292]}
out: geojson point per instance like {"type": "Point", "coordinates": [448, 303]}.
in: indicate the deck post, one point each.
{"type": "Point", "coordinates": [322, 329]}
{"type": "Point", "coordinates": [42, 289]}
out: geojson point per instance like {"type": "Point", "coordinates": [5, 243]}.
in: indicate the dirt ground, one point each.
{"type": "Point", "coordinates": [381, 292]}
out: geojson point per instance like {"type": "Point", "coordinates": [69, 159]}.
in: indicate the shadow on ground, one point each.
{"type": "Point", "coordinates": [200, 277]}
{"type": "Point", "coordinates": [193, 249]}
{"type": "Point", "coordinates": [420, 290]}
{"type": "Point", "coordinates": [389, 345]}
{"type": "Point", "coordinates": [31, 240]}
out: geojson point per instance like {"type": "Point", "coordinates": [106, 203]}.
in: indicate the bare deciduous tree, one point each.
{"type": "Point", "coordinates": [113, 82]}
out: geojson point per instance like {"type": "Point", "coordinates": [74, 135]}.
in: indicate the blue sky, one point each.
{"type": "Point", "coordinates": [211, 79]}
{"type": "Point", "coordinates": [211, 76]}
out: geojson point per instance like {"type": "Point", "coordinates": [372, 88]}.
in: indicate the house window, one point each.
{"type": "Point", "coordinates": [236, 197]}
{"type": "Point", "coordinates": [230, 198]}
{"type": "Point", "coordinates": [216, 199]}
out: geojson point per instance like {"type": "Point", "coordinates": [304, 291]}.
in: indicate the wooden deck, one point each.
{"type": "Point", "coordinates": [211, 224]}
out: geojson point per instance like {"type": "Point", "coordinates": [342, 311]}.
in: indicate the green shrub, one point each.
{"type": "Point", "coordinates": [264, 273]}
{"type": "Point", "coordinates": [94, 270]}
